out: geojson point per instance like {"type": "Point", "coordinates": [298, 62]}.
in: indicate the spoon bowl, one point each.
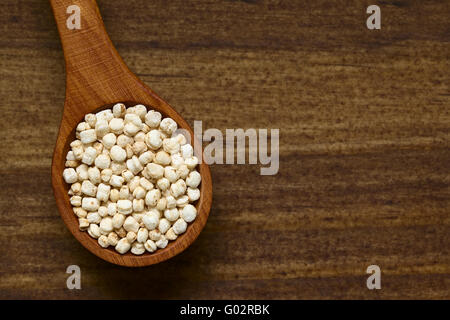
{"type": "Point", "coordinates": [96, 79]}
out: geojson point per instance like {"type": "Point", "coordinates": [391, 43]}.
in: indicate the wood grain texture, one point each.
{"type": "Point", "coordinates": [96, 77]}
{"type": "Point", "coordinates": [364, 124]}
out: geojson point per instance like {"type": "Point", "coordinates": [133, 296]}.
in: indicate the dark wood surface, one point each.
{"type": "Point", "coordinates": [364, 120]}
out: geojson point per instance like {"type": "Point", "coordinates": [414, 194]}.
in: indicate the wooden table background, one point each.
{"type": "Point", "coordinates": [364, 148]}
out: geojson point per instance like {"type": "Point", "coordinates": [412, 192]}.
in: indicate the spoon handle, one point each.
{"type": "Point", "coordinates": [95, 73]}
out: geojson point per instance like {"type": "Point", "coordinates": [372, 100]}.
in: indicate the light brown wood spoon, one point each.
{"type": "Point", "coordinates": [97, 78]}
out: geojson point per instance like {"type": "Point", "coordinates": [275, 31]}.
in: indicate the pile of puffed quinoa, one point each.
{"type": "Point", "coordinates": [132, 179]}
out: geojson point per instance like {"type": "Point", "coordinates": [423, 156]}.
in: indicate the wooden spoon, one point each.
{"type": "Point", "coordinates": [97, 78]}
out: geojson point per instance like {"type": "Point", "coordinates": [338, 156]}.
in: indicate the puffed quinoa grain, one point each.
{"type": "Point", "coordinates": [137, 248]}
{"type": "Point", "coordinates": [170, 234]}
{"type": "Point", "coordinates": [103, 241]}
{"type": "Point", "coordinates": [150, 246]}
{"type": "Point", "coordinates": [113, 239]}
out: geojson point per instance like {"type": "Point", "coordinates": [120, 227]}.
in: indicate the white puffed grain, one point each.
{"type": "Point", "coordinates": [138, 217]}
{"type": "Point", "coordinates": [103, 241]}
{"type": "Point", "coordinates": [89, 156]}
{"type": "Point", "coordinates": [102, 211]}
{"type": "Point", "coordinates": [114, 195]}
{"type": "Point", "coordinates": [142, 235]}
{"type": "Point", "coordinates": [118, 167]}
{"type": "Point", "coordinates": [116, 181]}
{"type": "Point", "coordinates": [139, 192]}
{"type": "Point", "coordinates": [171, 174]}
{"type": "Point", "coordinates": [153, 139]}
{"type": "Point", "coordinates": [131, 224]}
{"type": "Point", "coordinates": [83, 224]}
{"type": "Point", "coordinates": [130, 129]}
{"type": "Point", "coordinates": [150, 221]}
{"type": "Point", "coordinates": [139, 147]}
{"type": "Point", "coordinates": [77, 149]}
{"type": "Point", "coordinates": [178, 188]}
{"type": "Point", "coordinates": [76, 188]}
{"type": "Point", "coordinates": [187, 151]}
{"type": "Point", "coordinates": [83, 126]}
{"type": "Point", "coordinates": [134, 183]}
{"type": "Point", "coordinates": [181, 139]}
{"type": "Point", "coordinates": [112, 209]}
{"type": "Point", "coordinates": [70, 156]}
{"type": "Point", "coordinates": [146, 157]}
{"type": "Point", "coordinates": [177, 160]}
{"type": "Point", "coordinates": [103, 191]}
{"type": "Point", "coordinates": [171, 214]}
{"type": "Point", "coordinates": [124, 193]}
{"type": "Point", "coordinates": [171, 235]}
{"type": "Point", "coordinates": [94, 230]}
{"type": "Point", "coordinates": [118, 220]}
{"type": "Point", "coordinates": [189, 213]}
{"type": "Point", "coordinates": [124, 207]}
{"type": "Point", "coordinates": [137, 248]}
{"type": "Point", "coordinates": [105, 175]}
{"type": "Point", "coordinates": [183, 171]}
{"type": "Point", "coordinates": [94, 175]}
{"type": "Point", "coordinates": [168, 125]}
{"type": "Point", "coordinates": [119, 110]}
{"type": "Point", "coordinates": [162, 242]}
{"type": "Point", "coordinates": [193, 180]}
{"type": "Point", "coordinates": [90, 204]}
{"type": "Point", "coordinates": [171, 145]}
{"type": "Point", "coordinates": [179, 226]}
{"type": "Point", "coordinates": [101, 128]}
{"type": "Point", "coordinates": [164, 225]}
{"type": "Point", "coordinates": [131, 236]}
{"type": "Point", "coordinates": [147, 185]}
{"type": "Point", "coordinates": [191, 162]}
{"type": "Point", "coordinates": [127, 175]}
{"type": "Point", "coordinates": [154, 212]}
{"type": "Point", "coordinates": [123, 140]}
{"type": "Point", "coordinates": [106, 225]}
{"type": "Point", "coordinates": [70, 175]}
{"type": "Point", "coordinates": [182, 201]}
{"type": "Point", "coordinates": [163, 158]}
{"type": "Point", "coordinates": [154, 235]}
{"type": "Point", "coordinates": [152, 197]}
{"type": "Point", "coordinates": [113, 239]}
{"type": "Point", "coordinates": [153, 119]}
{"type": "Point", "coordinates": [71, 164]}
{"type": "Point", "coordinates": [163, 184]}
{"type": "Point", "coordinates": [134, 165]}
{"type": "Point", "coordinates": [171, 202]}
{"type": "Point", "coordinates": [90, 119]}
{"type": "Point", "coordinates": [138, 205]}
{"type": "Point", "coordinates": [129, 151]}
{"type": "Point", "coordinates": [118, 154]}
{"type": "Point", "coordinates": [123, 246]}
{"type": "Point", "coordinates": [135, 119]}
{"type": "Point", "coordinates": [155, 171]}
{"type": "Point", "coordinates": [150, 246]}
{"type": "Point", "coordinates": [139, 137]}
{"type": "Point", "coordinates": [80, 212]}
{"type": "Point", "coordinates": [109, 140]}
{"type": "Point", "coordinates": [88, 136]}
{"type": "Point", "coordinates": [121, 232]}
{"type": "Point", "coordinates": [75, 201]}
{"type": "Point", "coordinates": [94, 217]}
{"type": "Point", "coordinates": [162, 203]}
{"type": "Point", "coordinates": [193, 194]}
